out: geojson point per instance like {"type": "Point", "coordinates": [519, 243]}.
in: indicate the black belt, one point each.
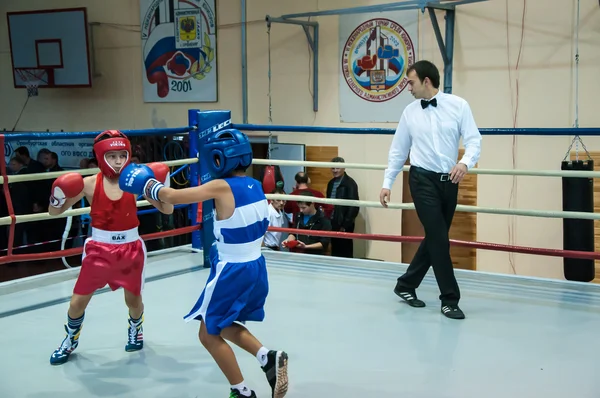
{"type": "Point", "coordinates": [443, 177]}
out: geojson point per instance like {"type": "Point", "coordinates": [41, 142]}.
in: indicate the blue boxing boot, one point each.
{"type": "Point", "coordinates": [135, 333]}
{"type": "Point", "coordinates": [69, 343]}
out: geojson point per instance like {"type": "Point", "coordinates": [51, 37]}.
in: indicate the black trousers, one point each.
{"type": "Point", "coordinates": [435, 197]}
{"type": "Point", "coordinates": [343, 247]}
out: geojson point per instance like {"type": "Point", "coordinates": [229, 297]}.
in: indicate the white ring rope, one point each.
{"type": "Point", "coordinates": [465, 208]}
{"type": "Point", "coordinates": [44, 216]}
{"type": "Point", "coordinates": [357, 166]}
{"type": "Point", "coordinates": [55, 174]}
{"type": "Point", "coordinates": [363, 166]}
{"type": "Point", "coordinates": [343, 202]}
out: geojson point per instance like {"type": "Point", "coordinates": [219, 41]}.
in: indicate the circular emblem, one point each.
{"type": "Point", "coordinates": [375, 59]}
{"type": "Point", "coordinates": [7, 150]}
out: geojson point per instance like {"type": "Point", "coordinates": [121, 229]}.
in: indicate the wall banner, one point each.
{"type": "Point", "coordinates": [179, 50]}
{"type": "Point", "coordinates": [69, 151]}
{"type": "Point", "coordinates": [376, 49]}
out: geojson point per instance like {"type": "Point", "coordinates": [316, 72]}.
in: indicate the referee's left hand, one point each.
{"type": "Point", "coordinates": [458, 172]}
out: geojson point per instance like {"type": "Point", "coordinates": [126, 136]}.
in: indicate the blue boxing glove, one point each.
{"type": "Point", "coordinates": [139, 179]}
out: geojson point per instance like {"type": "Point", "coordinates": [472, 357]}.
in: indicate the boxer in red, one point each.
{"type": "Point", "coordinates": [114, 254]}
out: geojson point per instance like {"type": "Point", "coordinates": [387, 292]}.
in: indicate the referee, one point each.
{"type": "Point", "coordinates": [430, 130]}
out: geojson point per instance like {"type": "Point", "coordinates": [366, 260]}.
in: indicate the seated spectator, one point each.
{"type": "Point", "coordinates": [16, 166]}
{"type": "Point", "coordinates": [309, 218]}
{"type": "Point", "coordinates": [302, 185]}
{"type": "Point", "coordinates": [33, 166]}
{"type": "Point", "coordinates": [277, 218]}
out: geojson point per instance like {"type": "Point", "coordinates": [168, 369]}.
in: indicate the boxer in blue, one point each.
{"type": "Point", "coordinates": [237, 287]}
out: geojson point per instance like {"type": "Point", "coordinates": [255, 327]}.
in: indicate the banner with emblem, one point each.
{"type": "Point", "coordinates": [69, 151]}
{"type": "Point", "coordinates": [179, 42]}
{"type": "Point", "coordinates": [376, 49]}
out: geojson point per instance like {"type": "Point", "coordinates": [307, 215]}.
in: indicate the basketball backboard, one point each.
{"type": "Point", "coordinates": [50, 46]}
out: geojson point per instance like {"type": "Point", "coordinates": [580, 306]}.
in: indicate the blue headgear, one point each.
{"type": "Point", "coordinates": [231, 148]}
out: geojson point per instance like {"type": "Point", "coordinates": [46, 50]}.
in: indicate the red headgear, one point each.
{"type": "Point", "coordinates": [109, 141]}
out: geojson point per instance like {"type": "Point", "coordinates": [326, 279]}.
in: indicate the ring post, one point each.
{"type": "Point", "coordinates": [209, 122]}
{"type": "Point", "coordinates": [194, 167]}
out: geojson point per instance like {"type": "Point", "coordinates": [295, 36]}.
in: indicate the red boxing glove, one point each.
{"type": "Point", "coordinates": [66, 186]}
{"type": "Point", "coordinates": [161, 172]}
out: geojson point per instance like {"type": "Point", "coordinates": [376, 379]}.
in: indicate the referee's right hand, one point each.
{"type": "Point", "coordinates": [384, 197]}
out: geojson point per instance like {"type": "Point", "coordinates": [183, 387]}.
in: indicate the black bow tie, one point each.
{"type": "Point", "coordinates": [425, 104]}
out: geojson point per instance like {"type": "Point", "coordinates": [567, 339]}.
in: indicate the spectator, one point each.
{"type": "Point", "coordinates": [302, 182]}
{"type": "Point", "coordinates": [21, 200]}
{"type": "Point", "coordinates": [33, 166]}
{"type": "Point", "coordinates": [16, 166]}
{"type": "Point", "coordinates": [342, 186]}
{"type": "Point", "coordinates": [92, 164]}
{"type": "Point", "coordinates": [42, 155]}
{"type": "Point", "coordinates": [309, 218]}
{"type": "Point", "coordinates": [49, 160]}
{"type": "Point", "coordinates": [84, 163]}
{"type": "Point", "coordinates": [277, 218]}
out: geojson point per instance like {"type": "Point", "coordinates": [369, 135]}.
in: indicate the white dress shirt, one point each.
{"type": "Point", "coordinates": [432, 137]}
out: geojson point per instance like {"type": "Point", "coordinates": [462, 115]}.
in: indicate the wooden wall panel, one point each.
{"type": "Point", "coordinates": [319, 176]}
{"type": "Point", "coordinates": [464, 225]}
{"type": "Point", "coordinates": [596, 158]}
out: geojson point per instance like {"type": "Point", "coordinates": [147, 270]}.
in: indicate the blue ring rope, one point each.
{"type": "Point", "coordinates": [592, 131]}
{"type": "Point", "coordinates": [15, 136]}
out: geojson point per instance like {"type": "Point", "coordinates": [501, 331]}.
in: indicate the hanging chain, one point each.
{"type": "Point", "coordinates": [577, 139]}
{"type": "Point", "coordinates": [270, 146]}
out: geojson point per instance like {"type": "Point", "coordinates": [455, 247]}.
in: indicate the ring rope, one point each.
{"type": "Point", "coordinates": [465, 208]}
{"type": "Point", "coordinates": [78, 250]}
{"type": "Point", "coordinates": [44, 216]}
{"type": "Point", "coordinates": [364, 166]}
{"type": "Point", "coordinates": [55, 174]}
{"type": "Point", "coordinates": [453, 242]}
{"type": "Point", "coordinates": [359, 166]}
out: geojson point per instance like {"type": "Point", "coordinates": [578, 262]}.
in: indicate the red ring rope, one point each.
{"type": "Point", "coordinates": [78, 250]}
{"type": "Point", "coordinates": [453, 242]}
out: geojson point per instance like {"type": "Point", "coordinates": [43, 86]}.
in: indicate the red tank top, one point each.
{"type": "Point", "coordinates": [113, 215]}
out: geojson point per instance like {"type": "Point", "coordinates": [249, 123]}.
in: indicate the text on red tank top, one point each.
{"type": "Point", "coordinates": [113, 215]}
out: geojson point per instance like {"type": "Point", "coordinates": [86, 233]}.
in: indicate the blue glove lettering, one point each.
{"type": "Point", "coordinates": [138, 179]}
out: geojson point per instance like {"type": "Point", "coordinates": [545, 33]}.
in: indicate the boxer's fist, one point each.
{"type": "Point", "coordinates": [64, 187]}
{"type": "Point", "coordinates": [139, 179]}
{"type": "Point", "coordinates": [161, 173]}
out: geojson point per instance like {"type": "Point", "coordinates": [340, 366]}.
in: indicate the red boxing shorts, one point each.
{"type": "Point", "coordinates": [116, 258]}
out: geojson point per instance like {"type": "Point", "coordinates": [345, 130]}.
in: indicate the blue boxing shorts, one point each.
{"type": "Point", "coordinates": [234, 292]}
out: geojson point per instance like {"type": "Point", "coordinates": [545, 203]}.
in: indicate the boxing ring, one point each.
{"type": "Point", "coordinates": [346, 333]}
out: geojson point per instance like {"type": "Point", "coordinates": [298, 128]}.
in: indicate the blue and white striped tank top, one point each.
{"type": "Point", "coordinates": [239, 237]}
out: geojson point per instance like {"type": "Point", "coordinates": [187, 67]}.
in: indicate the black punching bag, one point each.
{"type": "Point", "coordinates": [578, 234]}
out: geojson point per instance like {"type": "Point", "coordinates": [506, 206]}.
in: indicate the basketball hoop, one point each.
{"type": "Point", "coordinates": [32, 79]}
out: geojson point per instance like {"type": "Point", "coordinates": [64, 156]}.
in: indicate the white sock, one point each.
{"type": "Point", "coordinates": [243, 389]}
{"type": "Point", "coordinates": [262, 356]}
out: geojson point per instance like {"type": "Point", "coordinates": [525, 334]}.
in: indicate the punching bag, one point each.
{"type": "Point", "coordinates": [271, 175]}
{"type": "Point", "coordinates": [578, 195]}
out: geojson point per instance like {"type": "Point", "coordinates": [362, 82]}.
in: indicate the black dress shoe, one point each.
{"type": "Point", "coordinates": [452, 311]}
{"type": "Point", "coordinates": [410, 298]}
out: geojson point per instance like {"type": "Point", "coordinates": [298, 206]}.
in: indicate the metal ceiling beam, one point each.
{"type": "Point", "coordinates": [400, 5]}
{"type": "Point", "coordinates": [446, 44]}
